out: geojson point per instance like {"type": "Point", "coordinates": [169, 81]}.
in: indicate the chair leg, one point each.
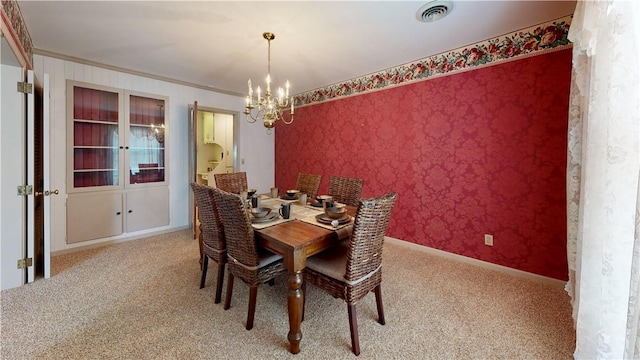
{"type": "Point", "coordinates": [304, 298]}
{"type": "Point", "coordinates": [205, 264]}
{"type": "Point", "coordinates": [379, 305]}
{"type": "Point", "coordinates": [253, 294]}
{"type": "Point", "coordinates": [219, 283]}
{"type": "Point", "coordinates": [227, 300]}
{"type": "Point", "coordinates": [353, 326]}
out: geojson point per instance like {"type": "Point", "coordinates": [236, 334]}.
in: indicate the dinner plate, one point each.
{"type": "Point", "coordinates": [285, 197]}
{"type": "Point", "coordinates": [315, 203]}
{"type": "Point", "coordinates": [272, 216]}
{"type": "Point", "coordinates": [325, 219]}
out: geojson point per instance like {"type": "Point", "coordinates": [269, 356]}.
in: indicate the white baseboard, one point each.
{"type": "Point", "coordinates": [117, 240]}
{"type": "Point", "coordinates": [476, 262]}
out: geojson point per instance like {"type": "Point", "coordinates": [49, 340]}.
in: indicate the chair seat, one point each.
{"type": "Point", "coordinates": [265, 258]}
{"type": "Point", "coordinates": [216, 254]}
{"type": "Point", "coordinates": [331, 262]}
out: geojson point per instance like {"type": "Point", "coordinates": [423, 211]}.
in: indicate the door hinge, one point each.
{"type": "Point", "coordinates": [25, 87]}
{"type": "Point", "coordinates": [24, 190]}
{"type": "Point", "coordinates": [25, 263]}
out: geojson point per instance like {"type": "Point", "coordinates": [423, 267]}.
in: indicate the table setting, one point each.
{"type": "Point", "coordinates": [266, 211]}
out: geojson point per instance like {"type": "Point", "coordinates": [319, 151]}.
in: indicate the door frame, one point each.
{"type": "Point", "coordinates": [193, 147]}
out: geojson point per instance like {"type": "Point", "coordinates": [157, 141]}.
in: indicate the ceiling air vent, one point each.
{"type": "Point", "coordinates": [434, 11]}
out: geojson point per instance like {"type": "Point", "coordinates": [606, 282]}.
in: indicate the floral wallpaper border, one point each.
{"type": "Point", "coordinates": [12, 12]}
{"type": "Point", "coordinates": [540, 38]}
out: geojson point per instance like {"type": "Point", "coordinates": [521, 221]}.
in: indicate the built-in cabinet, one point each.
{"type": "Point", "coordinates": [223, 124]}
{"type": "Point", "coordinates": [215, 145]}
{"type": "Point", "coordinates": [208, 129]}
{"type": "Point", "coordinates": [116, 161]}
{"type": "Point", "coordinates": [218, 129]}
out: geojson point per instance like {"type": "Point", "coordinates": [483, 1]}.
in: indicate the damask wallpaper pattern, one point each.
{"type": "Point", "coordinates": [474, 153]}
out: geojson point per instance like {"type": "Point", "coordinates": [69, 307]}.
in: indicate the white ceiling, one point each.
{"type": "Point", "coordinates": [219, 44]}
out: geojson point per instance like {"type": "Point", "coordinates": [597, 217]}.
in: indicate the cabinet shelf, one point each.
{"type": "Point", "coordinates": [92, 170]}
{"type": "Point", "coordinates": [150, 168]}
{"type": "Point", "coordinates": [105, 122]}
{"type": "Point", "coordinates": [95, 147]}
{"type": "Point", "coordinates": [148, 126]}
{"type": "Point", "coordinates": [146, 148]}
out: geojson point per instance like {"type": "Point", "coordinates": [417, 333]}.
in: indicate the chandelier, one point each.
{"type": "Point", "coordinates": [268, 109]}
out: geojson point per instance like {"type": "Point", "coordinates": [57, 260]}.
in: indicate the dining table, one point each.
{"type": "Point", "coordinates": [295, 239]}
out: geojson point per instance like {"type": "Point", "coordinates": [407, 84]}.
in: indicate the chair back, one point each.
{"type": "Point", "coordinates": [232, 182]}
{"type": "Point", "coordinates": [308, 184]}
{"type": "Point", "coordinates": [241, 244]}
{"type": "Point", "coordinates": [345, 190]}
{"type": "Point", "coordinates": [369, 227]}
{"type": "Point", "coordinates": [211, 231]}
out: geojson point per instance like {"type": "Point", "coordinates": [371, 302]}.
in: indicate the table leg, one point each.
{"type": "Point", "coordinates": [295, 311]}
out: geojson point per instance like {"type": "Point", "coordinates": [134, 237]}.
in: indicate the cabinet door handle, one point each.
{"type": "Point", "coordinates": [130, 211]}
{"type": "Point", "coordinates": [121, 147]}
{"type": "Point", "coordinates": [126, 148]}
{"type": "Point", "coordinates": [118, 213]}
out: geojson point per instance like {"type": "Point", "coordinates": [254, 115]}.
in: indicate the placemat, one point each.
{"type": "Point", "coordinates": [279, 220]}
{"type": "Point", "coordinates": [312, 220]}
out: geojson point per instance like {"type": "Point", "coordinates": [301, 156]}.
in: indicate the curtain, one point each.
{"type": "Point", "coordinates": [603, 177]}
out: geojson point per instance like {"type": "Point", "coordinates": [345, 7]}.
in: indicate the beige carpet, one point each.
{"type": "Point", "coordinates": [140, 300]}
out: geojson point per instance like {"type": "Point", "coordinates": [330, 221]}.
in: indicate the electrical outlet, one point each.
{"type": "Point", "coordinates": [488, 239]}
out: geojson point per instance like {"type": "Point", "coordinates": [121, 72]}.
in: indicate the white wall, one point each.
{"type": "Point", "coordinates": [254, 145]}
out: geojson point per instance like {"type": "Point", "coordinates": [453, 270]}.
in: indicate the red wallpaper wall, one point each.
{"type": "Point", "coordinates": [479, 152]}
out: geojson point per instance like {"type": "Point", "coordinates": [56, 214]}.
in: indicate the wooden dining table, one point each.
{"type": "Point", "coordinates": [295, 241]}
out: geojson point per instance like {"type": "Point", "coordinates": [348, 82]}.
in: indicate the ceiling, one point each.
{"type": "Point", "coordinates": [219, 44]}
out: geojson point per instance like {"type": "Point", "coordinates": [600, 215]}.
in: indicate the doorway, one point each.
{"type": "Point", "coordinates": [213, 145]}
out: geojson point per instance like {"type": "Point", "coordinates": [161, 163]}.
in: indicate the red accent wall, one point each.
{"type": "Point", "coordinates": [479, 152]}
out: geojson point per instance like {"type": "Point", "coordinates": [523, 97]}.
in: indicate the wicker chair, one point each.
{"type": "Point", "coordinates": [231, 182]}
{"type": "Point", "coordinates": [350, 271]}
{"type": "Point", "coordinates": [246, 261]}
{"type": "Point", "coordinates": [345, 190]}
{"type": "Point", "coordinates": [212, 242]}
{"type": "Point", "coordinates": [308, 184]}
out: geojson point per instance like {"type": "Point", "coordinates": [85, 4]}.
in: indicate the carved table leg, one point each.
{"type": "Point", "coordinates": [295, 311]}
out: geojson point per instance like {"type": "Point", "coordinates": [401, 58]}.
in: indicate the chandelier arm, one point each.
{"type": "Point", "coordinates": [288, 122]}
{"type": "Point", "coordinates": [251, 119]}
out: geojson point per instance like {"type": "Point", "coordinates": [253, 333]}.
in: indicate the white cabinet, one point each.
{"type": "Point", "coordinates": [93, 216]}
{"type": "Point", "coordinates": [223, 128]}
{"type": "Point", "coordinates": [98, 215]}
{"type": "Point", "coordinates": [208, 131]}
{"type": "Point", "coordinates": [116, 156]}
{"type": "Point", "coordinates": [147, 208]}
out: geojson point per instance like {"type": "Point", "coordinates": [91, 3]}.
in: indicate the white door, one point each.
{"type": "Point", "coordinates": [193, 159]}
{"type": "Point", "coordinates": [46, 183]}
{"type": "Point", "coordinates": [12, 170]}
{"type": "Point", "coordinates": [30, 175]}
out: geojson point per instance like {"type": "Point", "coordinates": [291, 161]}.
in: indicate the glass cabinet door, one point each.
{"type": "Point", "coordinates": [146, 153]}
{"type": "Point", "coordinates": [96, 141]}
